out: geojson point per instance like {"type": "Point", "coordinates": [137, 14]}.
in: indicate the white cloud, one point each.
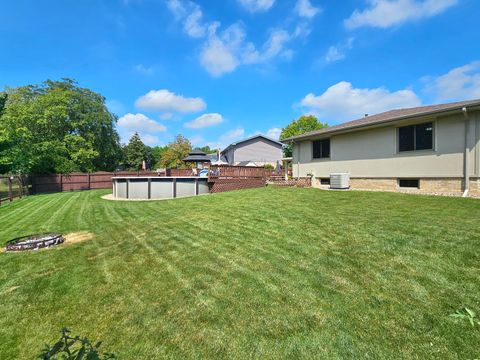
{"type": "Point", "coordinates": [227, 138]}
{"type": "Point", "coordinates": [224, 51]}
{"type": "Point", "coordinates": [193, 26]}
{"type": "Point", "coordinates": [386, 13]}
{"type": "Point", "coordinates": [342, 101]}
{"type": "Point", "coordinates": [231, 136]}
{"type": "Point", "coordinates": [140, 122]}
{"type": "Point", "coordinates": [191, 15]}
{"type": "Point", "coordinates": [149, 139]}
{"type": "Point", "coordinates": [206, 120]}
{"type": "Point", "coordinates": [168, 102]}
{"type": "Point", "coordinates": [145, 70]}
{"type": "Point", "coordinates": [177, 7]}
{"type": "Point", "coordinates": [274, 133]}
{"type": "Point", "coordinates": [274, 46]}
{"type": "Point", "coordinates": [334, 54]}
{"type": "Point", "coordinates": [305, 9]}
{"type": "Point", "coordinates": [256, 5]}
{"type": "Point", "coordinates": [219, 53]}
{"type": "Point", "coordinates": [337, 52]}
{"type": "Point", "coordinates": [461, 83]}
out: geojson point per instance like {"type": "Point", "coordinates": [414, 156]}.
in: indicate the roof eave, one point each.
{"type": "Point", "coordinates": [474, 106]}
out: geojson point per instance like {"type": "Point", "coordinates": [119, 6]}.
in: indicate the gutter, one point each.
{"type": "Point", "coordinates": [466, 156]}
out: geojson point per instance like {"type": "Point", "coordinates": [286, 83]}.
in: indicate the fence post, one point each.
{"type": "Point", "coordinates": [61, 182]}
{"type": "Point", "coordinates": [21, 186]}
{"type": "Point", "coordinates": [10, 188]}
{"type": "Point", "coordinates": [88, 177]}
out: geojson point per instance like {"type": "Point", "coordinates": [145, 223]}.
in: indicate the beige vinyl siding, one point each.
{"type": "Point", "coordinates": [258, 150]}
{"type": "Point", "coordinates": [373, 152]}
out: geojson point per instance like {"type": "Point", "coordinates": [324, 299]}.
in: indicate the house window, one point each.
{"type": "Point", "coordinates": [415, 137]}
{"type": "Point", "coordinates": [409, 183]}
{"type": "Point", "coordinates": [325, 181]}
{"type": "Point", "coordinates": [321, 149]}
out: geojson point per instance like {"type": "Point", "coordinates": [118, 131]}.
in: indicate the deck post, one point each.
{"type": "Point", "coordinates": [149, 196]}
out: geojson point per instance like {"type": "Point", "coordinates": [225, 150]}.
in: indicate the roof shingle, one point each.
{"type": "Point", "coordinates": [388, 116]}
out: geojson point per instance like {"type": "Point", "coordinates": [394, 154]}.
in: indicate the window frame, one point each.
{"type": "Point", "coordinates": [434, 136]}
{"type": "Point", "coordinates": [321, 149]}
{"type": "Point", "coordinates": [400, 180]}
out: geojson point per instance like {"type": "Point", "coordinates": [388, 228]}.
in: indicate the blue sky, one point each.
{"type": "Point", "coordinates": [220, 70]}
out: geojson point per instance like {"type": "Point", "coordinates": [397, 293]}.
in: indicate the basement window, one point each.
{"type": "Point", "coordinates": [325, 181]}
{"type": "Point", "coordinates": [409, 183]}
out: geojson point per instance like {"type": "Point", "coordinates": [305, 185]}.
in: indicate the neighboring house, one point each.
{"type": "Point", "coordinates": [216, 159]}
{"type": "Point", "coordinates": [429, 148]}
{"type": "Point", "coordinates": [257, 149]}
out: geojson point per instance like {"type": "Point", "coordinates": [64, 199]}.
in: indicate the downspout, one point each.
{"type": "Point", "coordinates": [466, 155]}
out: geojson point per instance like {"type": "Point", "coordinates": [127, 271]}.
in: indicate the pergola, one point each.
{"type": "Point", "coordinates": [197, 157]}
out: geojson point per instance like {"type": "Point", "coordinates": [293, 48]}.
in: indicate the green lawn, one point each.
{"type": "Point", "coordinates": [265, 273]}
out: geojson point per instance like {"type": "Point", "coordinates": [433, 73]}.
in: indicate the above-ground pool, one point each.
{"type": "Point", "coordinates": [158, 187]}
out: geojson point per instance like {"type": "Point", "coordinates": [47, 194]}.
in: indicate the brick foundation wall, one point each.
{"type": "Point", "coordinates": [475, 187]}
{"type": "Point", "coordinates": [373, 184]}
{"type": "Point", "coordinates": [442, 185]}
{"type": "Point", "coordinates": [221, 185]}
{"type": "Point", "coordinates": [453, 186]}
{"type": "Point", "coordinates": [301, 182]}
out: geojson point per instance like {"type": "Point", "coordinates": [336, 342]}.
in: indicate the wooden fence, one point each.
{"type": "Point", "coordinates": [12, 187]}
{"type": "Point", "coordinates": [103, 180]}
{"type": "Point", "coordinates": [79, 181]}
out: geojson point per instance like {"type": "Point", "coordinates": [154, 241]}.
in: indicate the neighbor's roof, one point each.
{"type": "Point", "coordinates": [197, 156]}
{"type": "Point", "coordinates": [388, 116]}
{"type": "Point", "coordinates": [214, 157]}
{"type": "Point", "coordinates": [251, 138]}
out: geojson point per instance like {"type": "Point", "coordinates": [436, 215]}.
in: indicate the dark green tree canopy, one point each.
{"type": "Point", "coordinates": [57, 126]}
{"type": "Point", "coordinates": [135, 152]}
{"type": "Point", "coordinates": [206, 149]}
{"type": "Point", "coordinates": [302, 125]}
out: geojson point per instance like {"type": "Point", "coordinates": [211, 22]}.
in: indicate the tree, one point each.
{"type": "Point", "coordinates": [302, 125]}
{"type": "Point", "coordinates": [206, 149]}
{"type": "Point", "coordinates": [57, 126]}
{"type": "Point", "coordinates": [176, 152]}
{"type": "Point", "coordinates": [3, 101]}
{"type": "Point", "coordinates": [157, 154]}
{"type": "Point", "coordinates": [135, 153]}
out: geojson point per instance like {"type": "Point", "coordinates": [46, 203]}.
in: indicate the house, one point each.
{"type": "Point", "coordinates": [431, 149]}
{"type": "Point", "coordinates": [259, 150]}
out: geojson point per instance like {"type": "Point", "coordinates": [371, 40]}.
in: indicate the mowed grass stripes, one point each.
{"type": "Point", "coordinates": [264, 273]}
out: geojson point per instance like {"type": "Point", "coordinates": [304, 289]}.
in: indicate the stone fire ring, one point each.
{"type": "Point", "coordinates": [34, 242]}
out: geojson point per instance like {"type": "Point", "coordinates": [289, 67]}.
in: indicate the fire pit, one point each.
{"type": "Point", "coordinates": [34, 242]}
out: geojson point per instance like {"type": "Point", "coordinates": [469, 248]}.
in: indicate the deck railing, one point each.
{"type": "Point", "coordinates": [236, 172]}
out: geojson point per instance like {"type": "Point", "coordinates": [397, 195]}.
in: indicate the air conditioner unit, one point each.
{"type": "Point", "coordinates": [339, 181]}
